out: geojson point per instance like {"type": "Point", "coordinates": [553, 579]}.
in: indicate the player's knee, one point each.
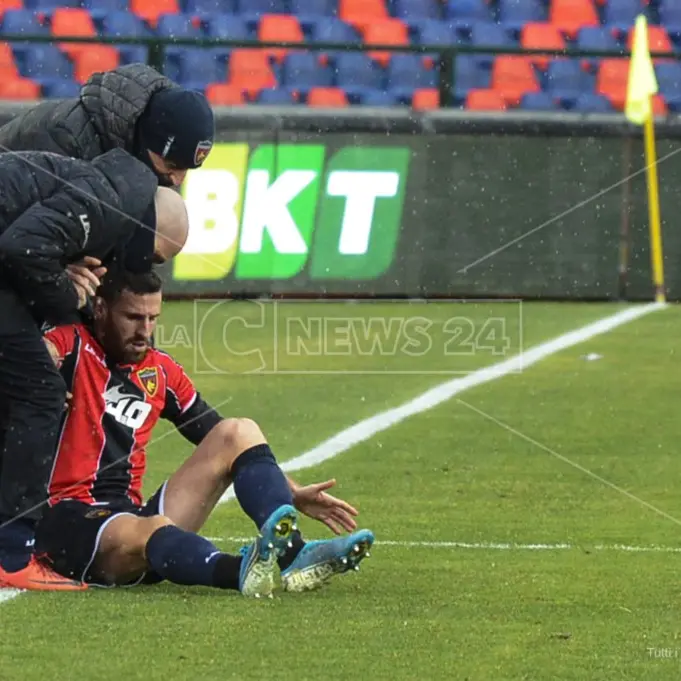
{"type": "Point", "coordinates": [238, 435]}
{"type": "Point", "coordinates": [140, 532]}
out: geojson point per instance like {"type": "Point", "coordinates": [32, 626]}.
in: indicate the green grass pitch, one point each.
{"type": "Point", "coordinates": [509, 514]}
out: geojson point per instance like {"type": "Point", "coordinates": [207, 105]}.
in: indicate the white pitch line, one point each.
{"type": "Point", "coordinates": [9, 594]}
{"type": "Point", "coordinates": [366, 429]}
{"type": "Point", "coordinates": [495, 546]}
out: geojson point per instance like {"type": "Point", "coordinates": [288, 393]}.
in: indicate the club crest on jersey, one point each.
{"type": "Point", "coordinates": [202, 150]}
{"type": "Point", "coordinates": [149, 380]}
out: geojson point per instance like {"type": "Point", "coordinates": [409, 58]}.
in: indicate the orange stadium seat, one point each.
{"type": "Point", "coordinates": [331, 97]}
{"type": "Point", "coordinates": [19, 88]}
{"type": "Point", "coordinates": [223, 94]}
{"type": "Point", "coordinates": [151, 10]}
{"type": "Point", "coordinates": [93, 59]}
{"type": "Point", "coordinates": [385, 32]}
{"type": "Point", "coordinates": [250, 70]}
{"type": "Point", "coordinates": [71, 22]}
{"type": "Point", "coordinates": [8, 67]}
{"type": "Point", "coordinates": [485, 100]}
{"type": "Point", "coordinates": [279, 28]}
{"type": "Point", "coordinates": [658, 39]}
{"type": "Point", "coordinates": [512, 77]}
{"type": "Point", "coordinates": [541, 36]}
{"type": "Point", "coordinates": [425, 99]}
{"type": "Point", "coordinates": [571, 15]}
{"type": "Point", "coordinates": [10, 4]}
{"type": "Point", "coordinates": [611, 81]}
{"type": "Point", "coordinates": [361, 13]}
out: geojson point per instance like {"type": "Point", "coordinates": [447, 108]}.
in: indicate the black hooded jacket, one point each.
{"type": "Point", "coordinates": [55, 210]}
{"type": "Point", "coordinates": [102, 118]}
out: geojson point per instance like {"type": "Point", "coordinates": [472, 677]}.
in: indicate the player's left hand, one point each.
{"type": "Point", "coordinates": [335, 513]}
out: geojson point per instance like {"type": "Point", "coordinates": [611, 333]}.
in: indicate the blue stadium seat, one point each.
{"type": "Point", "coordinates": [133, 54]}
{"type": "Point", "coordinates": [565, 80]}
{"type": "Point", "coordinates": [416, 9]}
{"type": "Point", "coordinates": [177, 26]}
{"type": "Point", "coordinates": [100, 8]}
{"type": "Point", "coordinates": [60, 89]}
{"type": "Point", "coordinates": [670, 17]}
{"type": "Point", "coordinates": [47, 5]}
{"type": "Point", "coordinates": [302, 70]}
{"type": "Point", "coordinates": [227, 26]}
{"type": "Point", "coordinates": [123, 24]}
{"type": "Point", "coordinates": [489, 35]}
{"type": "Point", "coordinates": [200, 66]}
{"type": "Point", "coordinates": [378, 98]}
{"type": "Point", "coordinates": [313, 8]}
{"type": "Point", "coordinates": [334, 31]}
{"type": "Point", "coordinates": [210, 7]}
{"type": "Point", "coordinates": [596, 38]}
{"type": "Point", "coordinates": [468, 75]}
{"type": "Point", "coordinates": [515, 13]}
{"type": "Point", "coordinates": [276, 96]}
{"type": "Point", "coordinates": [466, 11]}
{"type": "Point", "coordinates": [435, 33]}
{"type": "Point", "coordinates": [589, 102]}
{"type": "Point", "coordinates": [406, 73]}
{"type": "Point", "coordinates": [669, 80]}
{"type": "Point", "coordinates": [356, 73]}
{"type": "Point", "coordinates": [252, 10]}
{"type": "Point", "coordinates": [21, 21]}
{"type": "Point", "coordinates": [621, 14]}
{"type": "Point", "coordinates": [538, 101]}
{"type": "Point", "coordinates": [44, 63]}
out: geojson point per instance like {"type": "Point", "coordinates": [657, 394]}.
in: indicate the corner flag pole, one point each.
{"type": "Point", "coordinates": [641, 87]}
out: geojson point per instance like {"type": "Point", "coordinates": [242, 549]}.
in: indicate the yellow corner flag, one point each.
{"type": "Point", "coordinates": [641, 87]}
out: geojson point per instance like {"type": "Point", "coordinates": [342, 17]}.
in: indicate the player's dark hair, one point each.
{"type": "Point", "coordinates": [116, 281]}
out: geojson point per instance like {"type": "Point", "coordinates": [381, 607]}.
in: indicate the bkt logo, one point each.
{"type": "Point", "coordinates": [267, 216]}
{"type": "Point", "coordinates": [126, 409]}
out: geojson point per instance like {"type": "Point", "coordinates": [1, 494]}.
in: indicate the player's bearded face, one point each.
{"type": "Point", "coordinates": [125, 328]}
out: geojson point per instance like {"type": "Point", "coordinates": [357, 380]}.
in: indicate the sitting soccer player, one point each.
{"type": "Point", "coordinates": [97, 530]}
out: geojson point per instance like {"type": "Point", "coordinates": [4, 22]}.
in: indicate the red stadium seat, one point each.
{"type": "Point", "coordinates": [8, 67]}
{"type": "Point", "coordinates": [151, 10]}
{"type": "Point", "coordinates": [425, 99]}
{"type": "Point", "coordinates": [541, 36]}
{"type": "Point", "coordinates": [330, 97]}
{"type": "Point", "coordinates": [611, 81]}
{"type": "Point", "coordinates": [250, 70]}
{"type": "Point", "coordinates": [485, 100]}
{"type": "Point", "coordinates": [361, 13]}
{"type": "Point", "coordinates": [19, 88]}
{"type": "Point", "coordinates": [571, 15]}
{"type": "Point", "coordinates": [658, 40]}
{"type": "Point", "coordinates": [385, 32]}
{"type": "Point", "coordinates": [279, 28]}
{"type": "Point", "coordinates": [223, 94]}
{"type": "Point", "coordinates": [72, 22]}
{"type": "Point", "coordinates": [94, 59]}
{"type": "Point", "coordinates": [10, 4]}
{"type": "Point", "coordinates": [512, 77]}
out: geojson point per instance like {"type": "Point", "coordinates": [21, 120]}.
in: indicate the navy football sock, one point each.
{"type": "Point", "coordinates": [16, 543]}
{"type": "Point", "coordinates": [259, 483]}
{"type": "Point", "coordinates": [183, 557]}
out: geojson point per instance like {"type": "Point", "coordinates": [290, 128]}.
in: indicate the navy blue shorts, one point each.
{"type": "Point", "coordinates": [69, 533]}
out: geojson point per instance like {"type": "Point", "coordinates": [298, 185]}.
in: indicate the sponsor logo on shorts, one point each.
{"type": "Point", "coordinates": [98, 513]}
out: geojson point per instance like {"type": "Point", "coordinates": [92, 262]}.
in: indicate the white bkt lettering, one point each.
{"type": "Point", "coordinates": [127, 410]}
{"type": "Point", "coordinates": [85, 222]}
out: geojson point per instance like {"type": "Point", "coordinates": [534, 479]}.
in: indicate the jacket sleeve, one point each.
{"type": "Point", "coordinates": [37, 245]}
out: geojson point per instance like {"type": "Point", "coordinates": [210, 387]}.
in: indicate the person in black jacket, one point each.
{"type": "Point", "coordinates": [56, 210]}
{"type": "Point", "coordinates": [134, 108]}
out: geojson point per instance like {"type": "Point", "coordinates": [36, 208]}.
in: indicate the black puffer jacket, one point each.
{"type": "Point", "coordinates": [55, 210]}
{"type": "Point", "coordinates": [102, 118]}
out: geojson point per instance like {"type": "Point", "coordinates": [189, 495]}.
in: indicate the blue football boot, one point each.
{"type": "Point", "coordinates": [256, 577]}
{"type": "Point", "coordinates": [319, 560]}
